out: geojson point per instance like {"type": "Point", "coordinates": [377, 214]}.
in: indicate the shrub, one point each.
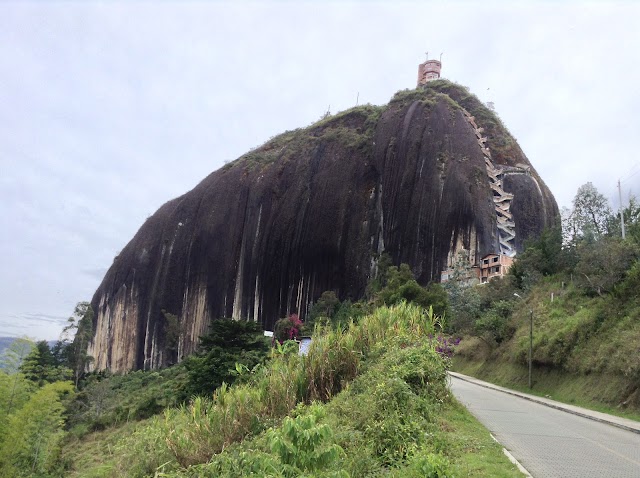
{"type": "Point", "coordinates": [603, 264]}
{"type": "Point", "coordinates": [304, 445]}
{"type": "Point", "coordinates": [400, 285]}
{"type": "Point", "coordinates": [495, 323]}
{"type": "Point", "coordinates": [287, 328]}
{"type": "Point", "coordinates": [430, 465]}
{"type": "Point", "coordinates": [196, 433]}
{"type": "Point", "coordinates": [227, 343]}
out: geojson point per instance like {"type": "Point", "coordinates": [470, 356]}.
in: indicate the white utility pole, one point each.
{"type": "Point", "coordinates": [621, 209]}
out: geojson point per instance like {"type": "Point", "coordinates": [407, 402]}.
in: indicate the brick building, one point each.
{"type": "Point", "coordinates": [490, 266]}
{"type": "Point", "coordinates": [428, 71]}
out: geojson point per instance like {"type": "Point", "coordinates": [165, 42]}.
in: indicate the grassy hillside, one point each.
{"type": "Point", "coordinates": [585, 347]}
{"type": "Point", "coordinates": [580, 282]}
{"type": "Point", "coordinates": [371, 400]}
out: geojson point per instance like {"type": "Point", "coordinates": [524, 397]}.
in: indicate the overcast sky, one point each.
{"type": "Point", "coordinates": [108, 110]}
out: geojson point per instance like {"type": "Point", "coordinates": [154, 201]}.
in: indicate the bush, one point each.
{"type": "Point", "coordinates": [495, 323]}
{"type": "Point", "coordinates": [429, 465]}
{"type": "Point", "coordinates": [303, 445]}
{"type": "Point", "coordinates": [603, 264]}
{"type": "Point", "coordinates": [329, 310]}
{"type": "Point", "coordinates": [401, 286]}
{"type": "Point", "coordinates": [228, 342]}
{"type": "Point", "coordinates": [287, 328]}
{"type": "Point", "coordinates": [409, 381]}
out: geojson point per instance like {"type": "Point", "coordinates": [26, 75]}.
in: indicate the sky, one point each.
{"type": "Point", "coordinates": [108, 110]}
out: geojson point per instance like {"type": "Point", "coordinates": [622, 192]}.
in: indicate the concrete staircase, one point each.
{"type": "Point", "coordinates": [501, 199]}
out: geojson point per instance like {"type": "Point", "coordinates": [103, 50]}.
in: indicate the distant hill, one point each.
{"type": "Point", "coordinates": [5, 343]}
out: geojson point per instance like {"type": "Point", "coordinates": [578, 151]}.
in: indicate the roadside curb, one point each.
{"type": "Point", "coordinates": [618, 422]}
{"type": "Point", "coordinates": [513, 459]}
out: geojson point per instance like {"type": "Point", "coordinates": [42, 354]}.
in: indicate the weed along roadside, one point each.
{"type": "Point", "coordinates": [367, 398]}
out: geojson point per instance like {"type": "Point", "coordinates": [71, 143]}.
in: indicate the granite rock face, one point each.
{"type": "Point", "coordinates": [310, 211]}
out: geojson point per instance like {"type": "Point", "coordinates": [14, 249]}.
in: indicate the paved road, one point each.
{"type": "Point", "coordinates": [550, 442]}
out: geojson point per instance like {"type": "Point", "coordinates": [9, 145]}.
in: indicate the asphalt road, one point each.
{"type": "Point", "coordinates": [550, 442]}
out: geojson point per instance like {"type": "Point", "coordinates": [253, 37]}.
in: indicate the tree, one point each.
{"type": "Point", "coordinates": [227, 343]}
{"type": "Point", "coordinates": [401, 285]}
{"type": "Point", "coordinates": [325, 307]}
{"type": "Point", "coordinates": [382, 266]}
{"type": "Point", "coordinates": [14, 388]}
{"type": "Point", "coordinates": [80, 326]}
{"type": "Point", "coordinates": [604, 264]}
{"type": "Point", "coordinates": [14, 354]}
{"type": "Point", "coordinates": [591, 213]}
{"type": "Point", "coordinates": [40, 366]}
{"type": "Point", "coordinates": [30, 443]}
{"type": "Point", "coordinates": [31, 367]}
{"type": "Point", "coordinates": [14, 392]}
{"type": "Point", "coordinates": [543, 256]}
{"type": "Point", "coordinates": [631, 215]}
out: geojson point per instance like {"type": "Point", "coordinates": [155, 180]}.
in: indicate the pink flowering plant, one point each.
{"type": "Point", "coordinates": [288, 328]}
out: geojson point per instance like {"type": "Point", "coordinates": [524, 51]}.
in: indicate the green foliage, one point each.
{"type": "Point", "coordinates": [630, 286]}
{"type": "Point", "coordinates": [143, 453]}
{"type": "Point", "coordinates": [107, 400]}
{"type": "Point", "coordinates": [72, 353]}
{"type": "Point", "coordinates": [400, 285]}
{"type": "Point", "coordinates": [287, 328]}
{"type": "Point", "coordinates": [15, 390]}
{"type": "Point", "coordinates": [41, 367]}
{"type": "Point", "coordinates": [329, 310]}
{"type": "Point", "coordinates": [389, 410]}
{"type": "Point", "coordinates": [12, 357]}
{"type": "Point", "coordinates": [383, 263]}
{"type": "Point", "coordinates": [631, 215]}
{"type": "Point", "coordinates": [574, 333]}
{"type": "Point", "coordinates": [495, 322]}
{"type": "Point", "coordinates": [207, 426]}
{"type": "Point", "coordinates": [31, 442]}
{"type": "Point", "coordinates": [431, 465]}
{"type": "Point", "coordinates": [305, 446]}
{"type": "Point", "coordinates": [591, 214]}
{"type": "Point", "coordinates": [385, 392]}
{"type": "Point", "coordinates": [542, 257]}
{"type": "Point", "coordinates": [227, 343]}
{"type": "Point", "coordinates": [351, 129]}
{"type": "Point", "coordinates": [603, 264]}
{"type": "Point", "coordinates": [325, 307]}
{"type": "Point", "coordinates": [484, 310]}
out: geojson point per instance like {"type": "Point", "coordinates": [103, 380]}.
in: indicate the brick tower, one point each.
{"type": "Point", "coordinates": [428, 71]}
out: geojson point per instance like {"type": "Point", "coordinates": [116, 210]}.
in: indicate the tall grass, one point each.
{"type": "Point", "coordinates": [196, 432]}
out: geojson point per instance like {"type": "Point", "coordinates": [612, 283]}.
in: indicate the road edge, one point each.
{"type": "Point", "coordinates": [612, 420]}
{"type": "Point", "coordinates": [513, 459]}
